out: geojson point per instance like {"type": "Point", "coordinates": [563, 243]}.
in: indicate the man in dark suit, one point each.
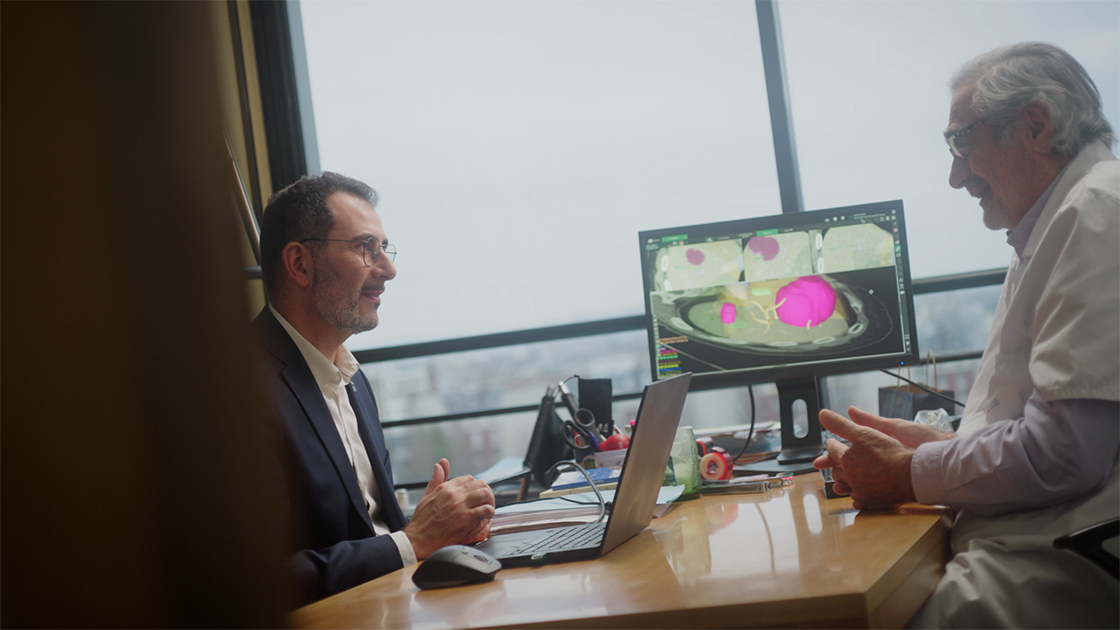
{"type": "Point", "coordinates": [325, 261]}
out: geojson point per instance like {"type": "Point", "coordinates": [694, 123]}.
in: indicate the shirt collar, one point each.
{"type": "Point", "coordinates": [1018, 236]}
{"type": "Point", "coordinates": [322, 369]}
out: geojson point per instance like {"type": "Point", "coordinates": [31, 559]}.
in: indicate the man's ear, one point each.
{"type": "Point", "coordinates": [1039, 128]}
{"type": "Point", "coordinates": [299, 266]}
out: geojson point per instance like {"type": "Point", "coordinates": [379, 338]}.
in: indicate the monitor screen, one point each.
{"type": "Point", "coordinates": [790, 296]}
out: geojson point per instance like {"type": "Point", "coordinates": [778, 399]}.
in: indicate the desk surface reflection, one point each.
{"type": "Point", "coordinates": [787, 558]}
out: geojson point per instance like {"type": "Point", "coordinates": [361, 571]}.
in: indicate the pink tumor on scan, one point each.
{"type": "Point", "coordinates": [728, 314]}
{"type": "Point", "coordinates": [806, 302]}
{"type": "Point", "coordinates": [765, 246]}
{"type": "Point", "coordinates": [694, 256]}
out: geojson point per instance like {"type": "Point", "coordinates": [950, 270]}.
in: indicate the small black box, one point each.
{"type": "Point", "coordinates": [595, 396]}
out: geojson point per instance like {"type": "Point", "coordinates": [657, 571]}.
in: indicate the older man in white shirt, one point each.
{"type": "Point", "coordinates": [1036, 456]}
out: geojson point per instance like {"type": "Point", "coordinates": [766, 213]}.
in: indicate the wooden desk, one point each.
{"type": "Point", "coordinates": [787, 558]}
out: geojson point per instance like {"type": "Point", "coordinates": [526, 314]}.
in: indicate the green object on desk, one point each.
{"type": "Point", "coordinates": [684, 463]}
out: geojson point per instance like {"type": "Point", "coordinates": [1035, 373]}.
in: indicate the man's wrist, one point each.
{"type": "Point", "coordinates": [405, 548]}
{"type": "Point", "coordinates": [907, 477]}
{"type": "Point", "coordinates": [419, 549]}
{"type": "Point", "coordinates": [926, 476]}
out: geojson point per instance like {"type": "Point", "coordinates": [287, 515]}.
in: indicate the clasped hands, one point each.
{"type": "Point", "coordinates": [451, 512]}
{"type": "Point", "coordinates": [875, 469]}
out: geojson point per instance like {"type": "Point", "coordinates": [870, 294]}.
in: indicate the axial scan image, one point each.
{"type": "Point", "coordinates": [810, 313]}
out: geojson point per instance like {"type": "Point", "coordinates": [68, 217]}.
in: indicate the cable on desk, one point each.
{"type": "Point", "coordinates": [571, 464]}
{"type": "Point", "coordinates": [750, 432]}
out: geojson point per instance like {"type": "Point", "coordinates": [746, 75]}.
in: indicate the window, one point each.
{"type": "Point", "coordinates": [519, 147]}
{"type": "Point", "coordinates": [510, 376]}
{"type": "Point", "coordinates": [868, 91]}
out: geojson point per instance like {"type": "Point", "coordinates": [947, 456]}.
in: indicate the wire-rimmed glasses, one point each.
{"type": "Point", "coordinates": [371, 248]}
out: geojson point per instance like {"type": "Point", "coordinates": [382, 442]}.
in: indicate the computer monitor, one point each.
{"type": "Point", "coordinates": [788, 299]}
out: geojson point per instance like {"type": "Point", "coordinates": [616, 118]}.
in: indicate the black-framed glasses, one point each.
{"type": "Point", "coordinates": [954, 138]}
{"type": "Point", "coordinates": [371, 248]}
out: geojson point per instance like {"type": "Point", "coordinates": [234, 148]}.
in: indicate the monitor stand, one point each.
{"type": "Point", "coordinates": [797, 453]}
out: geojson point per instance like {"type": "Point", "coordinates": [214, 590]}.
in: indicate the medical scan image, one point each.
{"type": "Point", "coordinates": [699, 265]}
{"type": "Point", "coordinates": [778, 256]}
{"type": "Point", "coordinates": [855, 247]}
{"type": "Point", "coordinates": [780, 296]}
{"type": "Point", "coordinates": [806, 314]}
{"type": "Point", "coordinates": [772, 257]}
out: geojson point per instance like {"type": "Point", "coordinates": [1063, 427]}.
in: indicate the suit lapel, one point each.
{"type": "Point", "coordinates": [297, 375]}
{"type": "Point", "coordinates": [369, 428]}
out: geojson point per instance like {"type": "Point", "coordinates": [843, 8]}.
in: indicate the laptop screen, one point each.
{"type": "Point", "coordinates": [648, 454]}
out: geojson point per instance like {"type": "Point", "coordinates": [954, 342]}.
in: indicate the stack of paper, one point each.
{"type": "Point", "coordinates": [574, 481]}
{"type": "Point", "coordinates": [575, 509]}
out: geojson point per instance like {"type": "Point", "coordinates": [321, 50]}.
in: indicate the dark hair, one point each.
{"type": "Point", "coordinates": [300, 211]}
{"type": "Point", "coordinates": [1010, 78]}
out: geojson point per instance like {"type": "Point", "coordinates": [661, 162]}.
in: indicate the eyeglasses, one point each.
{"type": "Point", "coordinates": [953, 138]}
{"type": "Point", "coordinates": [371, 248]}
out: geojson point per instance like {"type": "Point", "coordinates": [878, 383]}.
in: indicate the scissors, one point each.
{"type": "Point", "coordinates": [580, 432]}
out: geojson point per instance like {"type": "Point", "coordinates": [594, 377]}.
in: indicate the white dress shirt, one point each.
{"type": "Point", "coordinates": [333, 379]}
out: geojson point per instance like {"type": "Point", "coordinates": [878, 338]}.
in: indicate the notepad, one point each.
{"type": "Point", "coordinates": [575, 479]}
{"type": "Point", "coordinates": [572, 509]}
{"type": "Point", "coordinates": [584, 489]}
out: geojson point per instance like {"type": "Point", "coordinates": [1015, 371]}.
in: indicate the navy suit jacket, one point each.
{"type": "Point", "coordinates": [336, 545]}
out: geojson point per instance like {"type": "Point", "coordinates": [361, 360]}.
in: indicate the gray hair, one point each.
{"type": "Point", "coordinates": [1010, 78]}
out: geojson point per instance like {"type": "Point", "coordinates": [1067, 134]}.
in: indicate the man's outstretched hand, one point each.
{"type": "Point", "coordinates": [875, 469]}
{"type": "Point", "coordinates": [451, 512]}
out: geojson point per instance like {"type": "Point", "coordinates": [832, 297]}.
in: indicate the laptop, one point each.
{"type": "Point", "coordinates": [635, 497]}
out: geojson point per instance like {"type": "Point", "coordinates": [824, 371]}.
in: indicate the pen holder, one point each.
{"type": "Point", "coordinates": [684, 463]}
{"type": "Point", "coordinates": [610, 459]}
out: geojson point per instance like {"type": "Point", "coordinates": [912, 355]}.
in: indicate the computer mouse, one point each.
{"type": "Point", "coordinates": [455, 565]}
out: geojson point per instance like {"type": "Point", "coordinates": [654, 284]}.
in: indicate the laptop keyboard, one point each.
{"type": "Point", "coordinates": [574, 537]}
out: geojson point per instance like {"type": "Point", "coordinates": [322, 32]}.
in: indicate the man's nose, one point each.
{"type": "Point", "coordinates": [959, 173]}
{"type": "Point", "coordinates": [385, 267]}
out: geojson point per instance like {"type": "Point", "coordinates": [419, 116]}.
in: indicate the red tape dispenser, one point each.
{"type": "Point", "coordinates": [716, 465]}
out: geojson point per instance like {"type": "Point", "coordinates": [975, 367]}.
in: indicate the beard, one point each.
{"type": "Point", "coordinates": [991, 219]}
{"type": "Point", "coordinates": [340, 305]}
{"type": "Point", "coordinates": [992, 208]}
{"type": "Point", "coordinates": [995, 215]}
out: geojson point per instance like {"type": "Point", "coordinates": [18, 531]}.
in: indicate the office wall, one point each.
{"type": "Point", "coordinates": [137, 478]}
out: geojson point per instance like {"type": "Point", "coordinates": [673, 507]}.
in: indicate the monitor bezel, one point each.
{"type": "Point", "coordinates": [745, 376]}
